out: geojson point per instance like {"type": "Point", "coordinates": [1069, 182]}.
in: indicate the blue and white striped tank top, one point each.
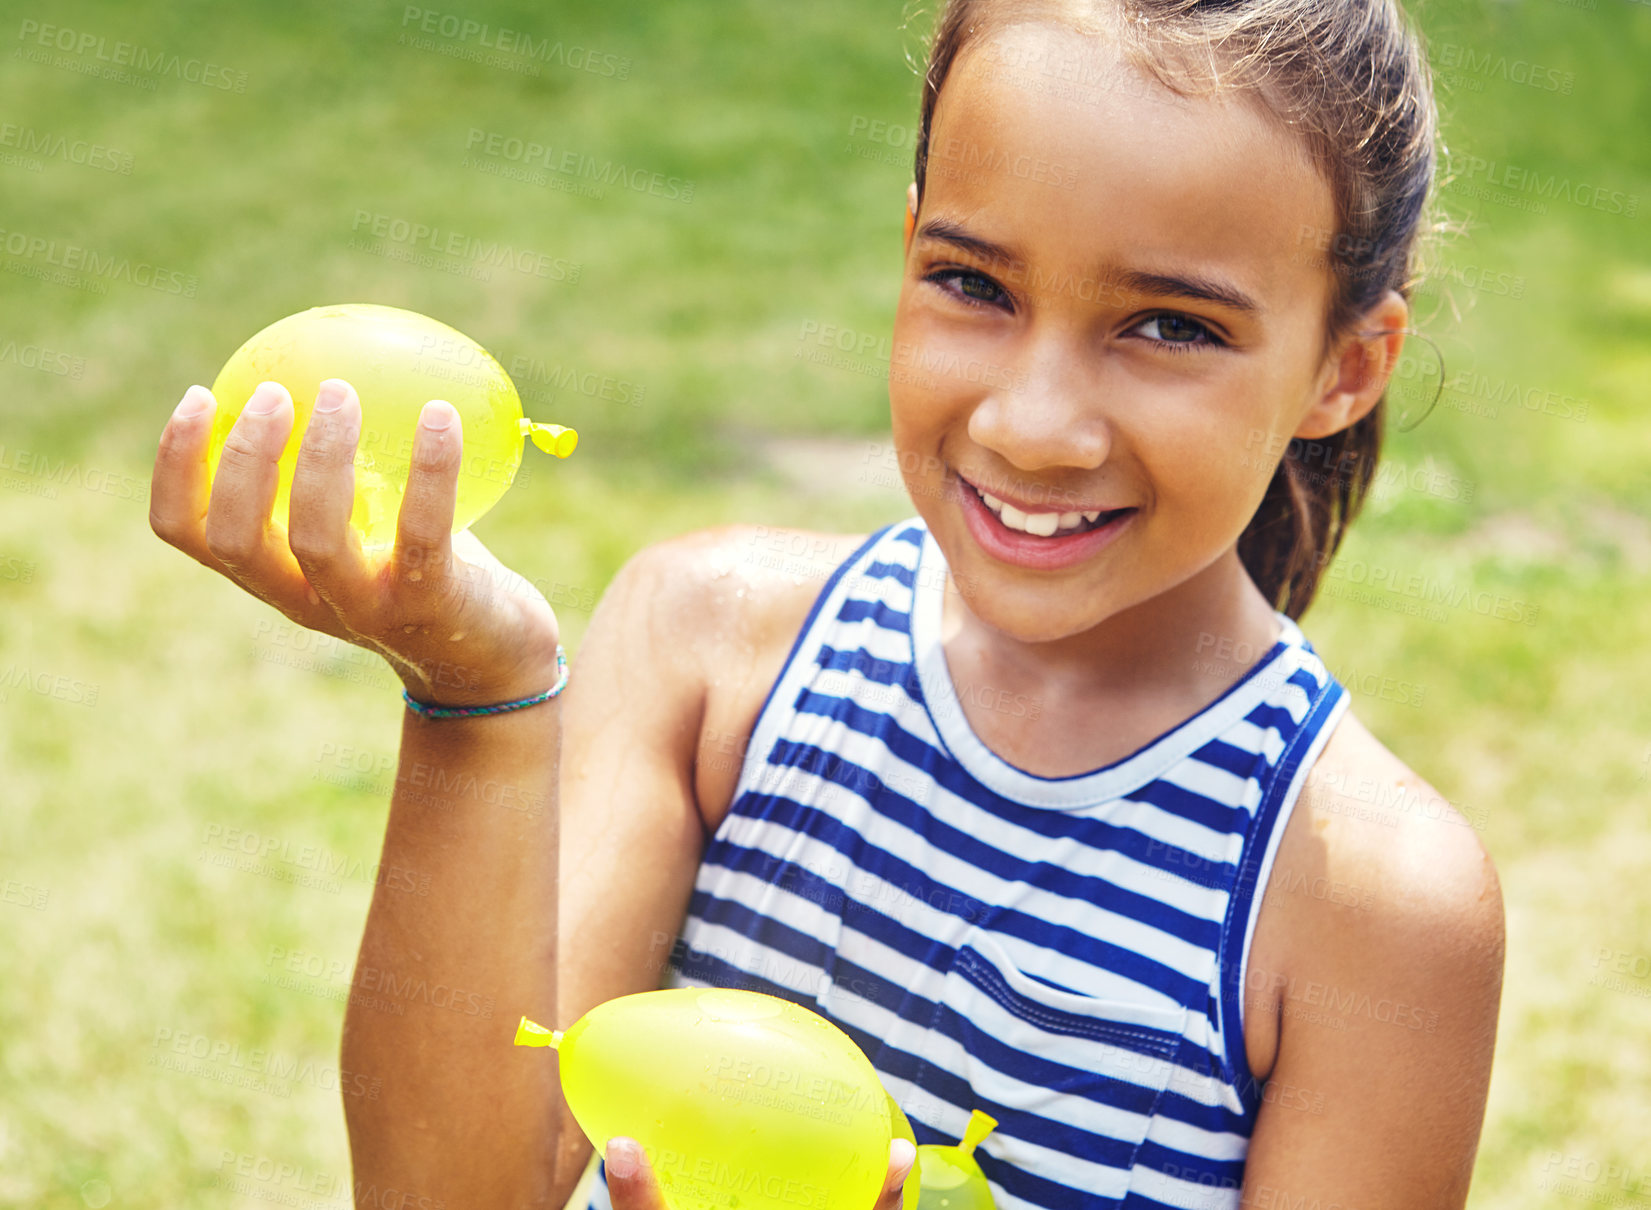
{"type": "Point", "coordinates": [1066, 954]}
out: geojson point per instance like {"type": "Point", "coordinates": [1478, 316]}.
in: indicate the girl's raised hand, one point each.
{"type": "Point", "coordinates": [457, 626]}
{"type": "Point", "coordinates": [631, 1184]}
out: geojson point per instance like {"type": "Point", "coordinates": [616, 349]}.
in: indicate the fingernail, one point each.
{"type": "Point", "coordinates": [623, 1155]}
{"type": "Point", "coordinates": [331, 395]}
{"type": "Point", "coordinates": [265, 399]}
{"type": "Point", "coordinates": [195, 401]}
{"type": "Point", "coordinates": [438, 414]}
{"type": "Point", "coordinates": [897, 1149]}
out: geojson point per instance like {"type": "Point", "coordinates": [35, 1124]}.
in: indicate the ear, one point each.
{"type": "Point", "coordinates": [1358, 370]}
{"type": "Point", "coordinates": [911, 213]}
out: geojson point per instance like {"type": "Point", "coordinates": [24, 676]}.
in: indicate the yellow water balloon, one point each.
{"type": "Point", "coordinates": [951, 1176]}
{"type": "Point", "coordinates": [397, 361]}
{"type": "Point", "coordinates": [739, 1099]}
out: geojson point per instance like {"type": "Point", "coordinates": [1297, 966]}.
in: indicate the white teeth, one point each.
{"type": "Point", "coordinates": [1040, 525]}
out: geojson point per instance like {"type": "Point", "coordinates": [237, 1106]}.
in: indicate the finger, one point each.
{"type": "Point", "coordinates": [248, 474]}
{"type": "Point", "coordinates": [902, 1155]}
{"type": "Point", "coordinates": [631, 1183]}
{"type": "Point", "coordinates": [180, 489]}
{"type": "Point", "coordinates": [327, 549]}
{"type": "Point", "coordinates": [240, 533]}
{"type": "Point", "coordinates": [424, 527]}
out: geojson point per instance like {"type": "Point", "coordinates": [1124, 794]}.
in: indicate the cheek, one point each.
{"type": "Point", "coordinates": [1210, 472]}
{"type": "Point", "coordinates": [901, 338]}
{"type": "Point", "coordinates": [943, 369]}
{"type": "Point", "coordinates": [917, 415]}
{"type": "Point", "coordinates": [921, 395]}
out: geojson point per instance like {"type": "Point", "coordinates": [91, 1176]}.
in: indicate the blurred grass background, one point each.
{"type": "Point", "coordinates": [149, 708]}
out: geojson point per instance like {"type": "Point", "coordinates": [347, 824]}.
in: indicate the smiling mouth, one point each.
{"type": "Point", "coordinates": [1045, 524]}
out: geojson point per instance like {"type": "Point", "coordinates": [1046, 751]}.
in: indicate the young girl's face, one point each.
{"type": "Point", "coordinates": [1113, 300]}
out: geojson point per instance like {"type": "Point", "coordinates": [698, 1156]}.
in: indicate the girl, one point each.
{"type": "Point", "coordinates": [1043, 797]}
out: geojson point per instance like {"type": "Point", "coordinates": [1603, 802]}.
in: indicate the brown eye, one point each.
{"type": "Point", "coordinates": [1178, 328]}
{"type": "Point", "coordinates": [1177, 333]}
{"type": "Point", "coordinates": [970, 289]}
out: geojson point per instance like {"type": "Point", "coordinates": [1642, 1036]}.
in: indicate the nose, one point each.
{"type": "Point", "coordinates": [1045, 412]}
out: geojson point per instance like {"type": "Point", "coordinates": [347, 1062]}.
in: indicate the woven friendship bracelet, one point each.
{"type": "Point", "coordinates": [500, 708]}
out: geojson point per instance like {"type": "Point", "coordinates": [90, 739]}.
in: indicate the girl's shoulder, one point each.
{"type": "Point", "coordinates": [1382, 908]}
{"type": "Point", "coordinates": [1376, 980]}
{"type": "Point", "coordinates": [732, 586]}
{"type": "Point", "coordinates": [728, 585]}
{"type": "Point", "coordinates": [1363, 807]}
{"type": "Point", "coordinates": [728, 602]}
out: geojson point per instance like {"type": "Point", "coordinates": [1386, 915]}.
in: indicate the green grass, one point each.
{"type": "Point", "coordinates": [206, 717]}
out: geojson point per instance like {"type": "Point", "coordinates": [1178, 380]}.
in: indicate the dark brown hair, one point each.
{"type": "Point", "coordinates": [1349, 78]}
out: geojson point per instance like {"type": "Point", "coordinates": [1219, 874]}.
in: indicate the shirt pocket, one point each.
{"type": "Point", "coordinates": [1073, 1080]}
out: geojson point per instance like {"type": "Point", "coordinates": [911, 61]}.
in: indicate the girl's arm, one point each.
{"type": "Point", "coordinates": [462, 926]}
{"type": "Point", "coordinates": [1383, 962]}
{"type": "Point", "coordinates": [680, 617]}
{"type": "Point", "coordinates": [631, 827]}
{"type": "Point", "coordinates": [464, 1116]}
{"type": "Point", "coordinates": [464, 915]}
{"type": "Point", "coordinates": [459, 943]}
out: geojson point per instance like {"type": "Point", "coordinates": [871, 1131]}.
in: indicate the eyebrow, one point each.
{"type": "Point", "coordinates": [1192, 285]}
{"type": "Point", "coordinates": [948, 232]}
{"type": "Point", "coordinates": [1195, 286]}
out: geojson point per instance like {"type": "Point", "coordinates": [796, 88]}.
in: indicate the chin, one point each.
{"type": "Point", "coordinates": [1023, 612]}
{"type": "Point", "coordinates": [1038, 623]}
